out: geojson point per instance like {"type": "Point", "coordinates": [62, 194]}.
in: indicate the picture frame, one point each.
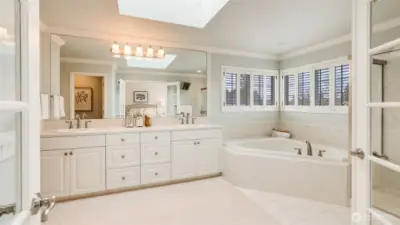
{"type": "Point", "coordinates": [140, 97]}
{"type": "Point", "coordinates": [83, 99]}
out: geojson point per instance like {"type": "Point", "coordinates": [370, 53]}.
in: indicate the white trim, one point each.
{"type": "Point", "coordinates": [57, 39]}
{"type": "Point", "coordinates": [72, 92]}
{"type": "Point", "coordinates": [209, 85]}
{"type": "Point", "coordinates": [381, 27]}
{"type": "Point", "coordinates": [135, 39]}
{"type": "Point", "coordinates": [13, 106]}
{"type": "Point", "coordinates": [159, 73]}
{"type": "Point", "coordinates": [379, 216]}
{"type": "Point", "coordinates": [384, 105]}
{"type": "Point", "coordinates": [384, 163]}
{"type": "Point", "coordinates": [385, 47]}
{"type": "Point", "coordinates": [86, 61]}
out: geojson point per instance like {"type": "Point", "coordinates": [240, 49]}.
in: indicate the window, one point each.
{"type": "Point", "coordinates": [322, 87]}
{"type": "Point", "coordinates": [304, 90]}
{"type": "Point", "coordinates": [258, 90]}
{"type": "Point", "coordinates": [245, 89]}
{"type": "Point", "coordinates": [289, 88]}
{"type": "Point", "coordinates": [230, 89]}
{"type": "Point", "coordinates": [342, 85]}
{"type": "Point", "coordinates": [270, 90]}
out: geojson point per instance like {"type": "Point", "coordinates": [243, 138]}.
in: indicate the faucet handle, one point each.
{"type": "Point", "coordinates": [320, 152]}
{"type": "Point", "coordinates": [298, 151]}
{"type": "Point", "coordinates": [87, 123]}
{"type": "Point", "coordinates": [69, 123]}
{"type": "Point", "coordinates": [193, 119]}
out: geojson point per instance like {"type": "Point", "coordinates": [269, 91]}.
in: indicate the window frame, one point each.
{"type": "Point", "coordinates": [311, 68]}
{"type": "Point", "coordinates": [252, 72]}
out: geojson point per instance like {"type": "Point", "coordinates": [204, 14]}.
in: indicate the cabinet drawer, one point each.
{"type": "Point", "coordinates": [152, 153]}
{"type": "Point", "coordinates": [155, 173]}
{"type": "Point", "coordinates": [155, 137]}
{"type": "Point", "coordinates": [123, 156]}
{"type": "Point", "coordinates": [55, 143]}
{"type": "Point", "coordinates": [124, 177]}
{"type": "Point", "coordinates": [195, 134]}
{"type": "Point", "coordinates": [122, 139]}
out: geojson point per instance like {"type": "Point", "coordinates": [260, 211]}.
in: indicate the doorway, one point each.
{"type": "Point", "coordinates": [89, 94]}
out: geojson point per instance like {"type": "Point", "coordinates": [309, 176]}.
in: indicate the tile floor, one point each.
{"type": "Point", "coordinates": [210, 202]}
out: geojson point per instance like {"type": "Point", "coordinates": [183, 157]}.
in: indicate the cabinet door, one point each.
{"type": "Point", "coordinates": [207, 156]}
{"type": "Point", "coordinates": [183, 159]}
{"type": "Point", "coordinates": [88, 170]}
{"type": "Point", "coordinates": [55, 173]}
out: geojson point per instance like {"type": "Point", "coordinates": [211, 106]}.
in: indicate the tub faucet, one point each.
{"type": "Point", "coordinates": [309, 148]}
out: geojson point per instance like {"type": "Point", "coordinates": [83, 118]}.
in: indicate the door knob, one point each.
{"type": "Point", "coordinates": [358, 153]}
{"type": "Point", "coordinates": [39, 202]}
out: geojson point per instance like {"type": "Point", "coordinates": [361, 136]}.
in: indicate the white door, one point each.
{"type": "Point", "coordinates": [88, 166]}
{"type": "Point", "coordinates": [20, 114]}
{"type": "Point", "coordinates": [207, 156]}
{"type": "Point", "coordinates": [183, 158]}
{"type": "Point", "coordinates": [375, 177]}
{"type": "Point", "coordinates": [173, 98]}
{"type": "Point", "coordinates": [55, 167]}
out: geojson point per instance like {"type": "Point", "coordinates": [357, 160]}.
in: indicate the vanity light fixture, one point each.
{"type": "Point", "coordinates": [139, 53]}
{"type": "Point", "coordinates": [199, 71]}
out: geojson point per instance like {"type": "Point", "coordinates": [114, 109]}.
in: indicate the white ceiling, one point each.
{"type": "Point", "coordinates": [259, 26]}
{"type": "Point", "coordinates": [91, 49]}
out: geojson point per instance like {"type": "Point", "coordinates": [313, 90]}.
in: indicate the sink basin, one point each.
{"type": "Point", "coordinates": [75, 130]}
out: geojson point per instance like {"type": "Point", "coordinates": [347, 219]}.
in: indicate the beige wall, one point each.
{"type": "Point", "coordinates": [96, 84]}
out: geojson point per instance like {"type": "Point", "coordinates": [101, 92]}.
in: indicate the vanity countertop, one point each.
{"type": "Point", "coordinates": [111, 130]}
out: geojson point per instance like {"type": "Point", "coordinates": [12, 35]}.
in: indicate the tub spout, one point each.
{"type": "Point", "coordinates": [309, 148]}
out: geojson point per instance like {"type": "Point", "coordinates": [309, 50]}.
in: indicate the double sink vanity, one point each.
{"type": "Point", "coordinates": [87, 162]}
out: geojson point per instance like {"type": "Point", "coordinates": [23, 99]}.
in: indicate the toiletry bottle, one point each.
{"type": "Point", "coordinates": [147, 121]}
{"type": "Point", "coordinates": [139, 120]}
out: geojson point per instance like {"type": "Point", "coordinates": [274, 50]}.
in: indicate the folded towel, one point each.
{"type": "Point", "coordinates": [55, 107]}
{"type": "Point", "coordinates": [44, 106]}
{"type": "Point", "coordinates": [61, 104]}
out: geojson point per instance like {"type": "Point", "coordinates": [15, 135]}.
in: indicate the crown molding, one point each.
{"type": "Point", "coordinates": [159, 73]}
{"type": "Point", "coordinates": [133, 39]}
{"type": "Point", "coordinates": [377, 28]}
{"type": "Point", "coordinates": [86, 61]}
{"type": "Point", "coordinates": [58, 40]}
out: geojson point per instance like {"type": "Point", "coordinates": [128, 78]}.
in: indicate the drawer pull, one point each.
{"type": "Point", "coordinates": [156, 174]}
{"type": "Point", "coordinates": [122, 139]}
{"type": "Point", "coordinates": [155, 153]}
{"type": "Point", "coordinates": [156, 137]}
{"type": "Point", "coordinates": [71, 153]}
{"type": "Point", "coordinates": [66, 154]}
{"type": "Point", "coordinates": [123, 178]}
{"type": "Point", "coordinates": [195, 143]}
{"type": "Point", "coordinates": [123, 156]}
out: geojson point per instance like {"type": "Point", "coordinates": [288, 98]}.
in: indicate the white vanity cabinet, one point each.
{"type": "Point", "coordinates": [83, 164]}
{"type": "Point", "coordinates": [195, 153]}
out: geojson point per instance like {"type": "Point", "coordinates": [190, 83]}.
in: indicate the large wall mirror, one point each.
{"type": "Point", "coordinates": [100, 79]}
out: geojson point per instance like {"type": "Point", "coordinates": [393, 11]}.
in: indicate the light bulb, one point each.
{"type": "Point", "coordinates": [139, 51]}
{"type": "Point", "coordinates": [115, 48]}
{"type": "Point", "coordinates": [127, 50]}
{"type": "Point", "coordinates": [150, 52]}
{"type": "Point", "coordinates": [161, 53]}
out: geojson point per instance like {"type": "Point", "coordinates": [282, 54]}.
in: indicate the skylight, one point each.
{"type": "Point", "coordinates": [147, 63]}
{"type": "Point", "coordinates": [193, 13]}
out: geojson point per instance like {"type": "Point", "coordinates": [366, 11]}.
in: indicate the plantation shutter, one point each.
{"type": "Point", "coordinates": [322, 87]}
{"type": "Point", "coordinates": [245, 89]}
{"type": "Point", "coordinates": [304, 88]}
{"type": "Point", "coordinates": [289, 89]}
{"type": "Point", "coordinates": [230, 89]}
{"type": "Point", "coordinates": [258, 90]}
{"type": "Point", "coordinates": [342, 74]}
{"type": "Point", "coordinates": [270, 90]}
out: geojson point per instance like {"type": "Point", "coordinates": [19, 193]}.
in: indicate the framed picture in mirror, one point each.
{"type": "Point", "coordinates": [83, 99]}
{"type": "Point", "coordinates": [140, 97]}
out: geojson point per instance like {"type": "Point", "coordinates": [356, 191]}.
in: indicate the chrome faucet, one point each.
{"type": "Point", "coordinates": [309, 148]}
{"type": "Point", "coordinates": [78, 121]}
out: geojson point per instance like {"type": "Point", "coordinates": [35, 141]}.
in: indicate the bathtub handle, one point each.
{"type": "Point", "coordinates": [298, 151]}
{"type": "Point", "coordinates": [320, 153]}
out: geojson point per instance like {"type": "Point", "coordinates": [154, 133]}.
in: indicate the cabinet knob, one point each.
{"type": "Point", "coordinates": [155, 153]}
{"type": "Point", "coordinates": [198, 142]}
{"type": "Point", "coordinates": [71, 153]}
{"type": "Point", "coordinates": [156, 137]}
{"type": "Point", "coordinates": [123, 178]}
{"type": "Point", "coordinates": [156, 174]}
{"type": "Point", "coordinates": [122, 139]}
{"type": "Point", "coordinates": [195, 143]}
{"type": "Point", "coordinates": [123, 156]}
{"type": "Point", "coordinates": [66, 154]}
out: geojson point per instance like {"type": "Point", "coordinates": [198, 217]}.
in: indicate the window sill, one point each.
{"type": "Point", "coordinates": [316, 109]}
{"type": "Point", "coordinates": [234, 109]}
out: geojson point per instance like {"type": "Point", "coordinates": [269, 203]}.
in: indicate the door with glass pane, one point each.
{"type": "Point", "coordinates": [20, 115]}
{"type": "Point", "coordinates": [376, 112]}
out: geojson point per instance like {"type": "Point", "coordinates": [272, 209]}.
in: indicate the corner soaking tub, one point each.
{"type": "Point", "coordinates": [273, 165]}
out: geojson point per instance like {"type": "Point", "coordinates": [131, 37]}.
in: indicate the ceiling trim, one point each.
{"type": "Point", "coordinates": [85, 61]}
{"type": "Point", "coordinates": [159, 73]}
{"type": "Point", "coordinates": [164, 43]}
{"type": "Point", "coordinates": [378, 28]}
